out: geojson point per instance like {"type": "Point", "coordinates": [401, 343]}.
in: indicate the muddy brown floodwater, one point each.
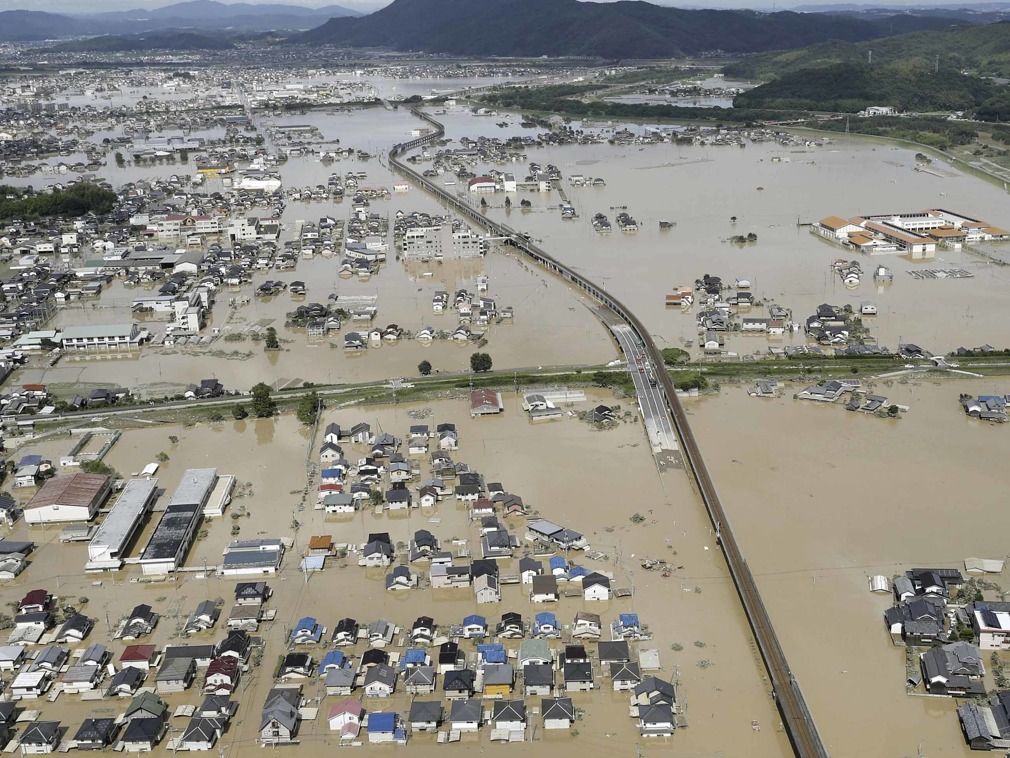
{"type": "Point", "coordinates": [820, 499]}
{"type": "Point", "coordinates": [593, 481]}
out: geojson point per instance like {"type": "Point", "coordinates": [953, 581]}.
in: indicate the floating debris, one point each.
{"type": "Point", "coordinates": [942, 273]}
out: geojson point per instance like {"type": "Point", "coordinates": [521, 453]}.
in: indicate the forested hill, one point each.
{"type": "Point", "coordinates": [981, 49]}
{"type": "Point", "coordinates": [618, 30]}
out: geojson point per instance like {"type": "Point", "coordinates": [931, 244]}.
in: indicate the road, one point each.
{"type": "Point", "coordinates": [796, 717]}
{"type": "Point", "coordinates": [658, 424]}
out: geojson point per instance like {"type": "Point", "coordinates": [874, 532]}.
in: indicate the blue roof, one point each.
{"type": "Point", "coordinates": [381, 722]}
{"type": "Point", "coordinates": [628, 619]}
{"type": "Point", "coordinates": [575, 571]}
{"type": "Point", "coordinates": [414, 655]}
{"type": "Point", "coordinates": [546, 617]}
{"type": "Point", "coordinates": [30, 460]}
{"type": "Point", "coordinates": [332, 658]}
{"type": "Point", "coordinates": [493, 652]}
{"type": "Point", "coordinates": [473, 618]}
{"type": "Point", "coordinates": [328, 473]}
{"type": "Point", "coordinates": [306, 623]}
{"type": "Point", "coordinates": [558, 562]}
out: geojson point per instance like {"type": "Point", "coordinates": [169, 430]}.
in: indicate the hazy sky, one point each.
{"type": "Point", "coordinates": [66, 6]}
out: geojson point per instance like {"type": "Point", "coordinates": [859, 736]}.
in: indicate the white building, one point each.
{"type": "Point", "coordinates": [101, 337]}
{"type": "Point", "coordinates": [108, 547]}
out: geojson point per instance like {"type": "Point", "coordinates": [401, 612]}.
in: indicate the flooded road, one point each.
{"type": "Point", "coordinates": [820, 499]}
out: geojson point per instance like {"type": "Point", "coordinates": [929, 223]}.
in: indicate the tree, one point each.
{"type": "Point", "coordinates": [375, 497]}
{"type": "Point", "coordinates": [308, 408]}
{"type": "Point", "coordinates": [480, 362]}
{"type": "Point", "coordinates": [424, 368]}
{"type": "Point", "coordinates": [120, 160]}
{"type": "Point", "coordinates": [97, 467]}
{"type": "Point", "coordinates": [263, 406]}
{"type": "Point", "coordinates": [239, 412]}
{"type": "Point", "coordinates": [674, 355]}
{"type": "Point", "coordinates": [272, 342]}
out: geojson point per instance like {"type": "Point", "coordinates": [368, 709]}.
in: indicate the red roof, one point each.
{"type": "Point", "coordinates": [226, 664]}
{"type": "Point", "coordinates": [138, 653]}
{"type": "Point", "coordinates": [36, 597]}
{"type": "Point", "coordinates": [485, 399]}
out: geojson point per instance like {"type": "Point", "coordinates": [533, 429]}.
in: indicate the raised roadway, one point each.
{"type": "Point", "coordinates": [651, 400]}
{"type": "Point", "coordinates": [796, 718]}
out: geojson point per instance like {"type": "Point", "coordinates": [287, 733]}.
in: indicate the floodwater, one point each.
{"type": "Point", "coordinates": [834, 497]}
{"type": "Point", "coordinates": [698, 627]}
{"type": "Point", "coordinates": [553, 325]}
{"type": "Point", "coordinates": [770, 190]}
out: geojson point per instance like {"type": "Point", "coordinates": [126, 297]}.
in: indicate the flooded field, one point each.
{"type": "Point", "coordinates": [829, 499]}
{"type": "Point", "coordinates": [770, 190]}
{"type": "Point", "coordinates": [694, 615]}
{"type": "Point", "coordinates": [553, 326]}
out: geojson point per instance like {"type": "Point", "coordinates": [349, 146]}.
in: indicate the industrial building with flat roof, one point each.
{"type": "Point", "coordinates": [71, 497]}
{"type": "Point", "coordinates": [108, 546]}
{"type": "Point", "coordinates": [175, 532]}
{"type": "Point", "coordinates": [194, 487]}
{"type": "Point", "coordinates": [171, 540]}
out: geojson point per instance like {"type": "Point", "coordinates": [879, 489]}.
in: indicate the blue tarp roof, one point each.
{"type": "Point", "coordinates": [558, 562]}
{"type": "Point", "coordinates": [628, 619]}
{"type": "Point", "coordinates": [415, 655]}
{"type": "Point", "coordinates": [493, 652]}
{"type": "Point", "coordinates": [381, 722]}
{"type": "Point", "coordinates": [473, 618]}
{"type": "Point", "coordinates": [546, 617]}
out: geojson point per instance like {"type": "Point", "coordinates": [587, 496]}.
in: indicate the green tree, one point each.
{"type": "Point", "coordinates": [272, 343]}
{"type": "Point", "coordinates": [120, 160]}
{"type": "Point", "coordinates": [263, 406]}
{"type": "Point", "coordinates": [239, 412]}
{"type": "Point", "coordinates": [674, 355]}
{"type": "Point", "coordinates": [97, 467]}
{"type": "Point", "coordinates": [424, 368]}
{"type": "Point", "coordinates": [480, 362]}
{"type": "Point", "coordinates": [308, 408]}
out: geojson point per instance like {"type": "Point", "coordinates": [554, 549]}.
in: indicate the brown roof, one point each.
{"type": "Point", "coordinates": [70, 489]}
{"type": "Point", "coordinates": [946, 231]}
{"type": "Point", "coordinates": [321, 542]}
{"type": "Point", "coordinates": [834, 222]}
{"type": "Point", "coordinates": [909, 238]}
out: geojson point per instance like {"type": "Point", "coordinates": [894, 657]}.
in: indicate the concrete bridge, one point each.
{"type": "Point", "coordinates": [796, 717]}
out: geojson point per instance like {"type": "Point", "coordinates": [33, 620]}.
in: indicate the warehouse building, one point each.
{"type": "Point", "coordinates": [72, 497]}
{"type": "Point", "coordinates": [177, 529]}
{"type": "Point", "coordinates": [109, 545]}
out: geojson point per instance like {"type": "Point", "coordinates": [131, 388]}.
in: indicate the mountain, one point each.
{"type": "Point", "coordinates": [622, 29]}
{"type": "Point", "coordinates": [984, 49]}
{"type": "Point", "coordinates": [131, 43]}
{"type": "Point", "coordinates": [208, 15]}
{"type": "Point", "coordinates": [851, 87]}
{"type": "Point", "coordinates": [26, 26]}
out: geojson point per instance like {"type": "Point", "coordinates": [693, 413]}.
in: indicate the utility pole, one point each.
{"type": "Point", "coordinates": [869, 57]}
